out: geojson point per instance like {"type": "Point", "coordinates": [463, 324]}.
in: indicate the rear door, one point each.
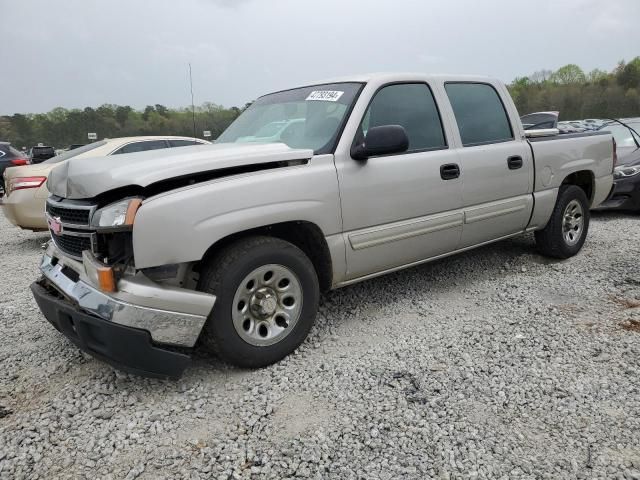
{"type": "Point", "coordinates": [496, 163]}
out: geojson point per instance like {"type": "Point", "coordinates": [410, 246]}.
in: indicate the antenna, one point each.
{"type": "Point", "coordinates": [193, 106]}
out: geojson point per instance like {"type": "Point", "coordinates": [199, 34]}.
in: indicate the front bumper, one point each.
{"type": "Point", "coordinates": [125, 348]}
{"type": "Point", "coordinates": [148, 315]}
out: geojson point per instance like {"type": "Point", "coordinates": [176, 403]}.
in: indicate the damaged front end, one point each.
{"type": "Point", "coordinates": [92, 292]}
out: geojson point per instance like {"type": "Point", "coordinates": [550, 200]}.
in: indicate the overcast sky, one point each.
{"type": "Point", "coordinates": [77, 53]}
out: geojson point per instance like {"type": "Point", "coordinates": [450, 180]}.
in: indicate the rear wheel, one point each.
{"type": "Point", "coordinates": [567, 228]}
{"type": "Point", "coordinates": [267, 296]}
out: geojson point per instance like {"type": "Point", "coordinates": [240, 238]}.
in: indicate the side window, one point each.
{"type": "Point", "coordinates": [183, 143]}
{"type": "Point", "coordinates": [480, 114]}
{"type": "Point", "coordinates": [142, 146]}
{"type": "Point", "coordinates": [412, 106]}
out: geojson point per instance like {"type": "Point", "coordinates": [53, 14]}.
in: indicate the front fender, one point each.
{"type": "Point", "coordinates": [180, 226]}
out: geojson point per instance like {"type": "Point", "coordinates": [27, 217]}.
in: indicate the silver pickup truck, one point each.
{"type": "Point", "coordinates": [310, 189]}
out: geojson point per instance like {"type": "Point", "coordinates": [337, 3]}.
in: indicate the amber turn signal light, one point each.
{"type": "Point", "coordinates": [106, 279]}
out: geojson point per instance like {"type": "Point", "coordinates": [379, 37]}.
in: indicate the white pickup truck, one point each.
{"type": "Point", "coordinates": [229, 245]}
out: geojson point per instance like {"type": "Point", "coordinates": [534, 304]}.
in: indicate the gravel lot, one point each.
{"type": "Point", "coordinates": [495, 364]}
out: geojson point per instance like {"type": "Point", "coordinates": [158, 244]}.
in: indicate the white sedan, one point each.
{"type": "Point", "coordinates": [26, 188]}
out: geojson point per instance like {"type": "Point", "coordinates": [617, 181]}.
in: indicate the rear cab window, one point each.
{"type": "Point", "coordinates": [480, 114]}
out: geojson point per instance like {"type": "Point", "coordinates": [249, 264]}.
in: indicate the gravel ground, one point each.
{"type": "Point", "coordinates": [495, 364]}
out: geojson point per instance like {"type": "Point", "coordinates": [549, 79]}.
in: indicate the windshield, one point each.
{"type": "Point", "coordinates": [271, 129]}
{"type": "Point", "coordinates": [622, 134]}
{"type": "Point", "coordinates": [309, 117]}
{"type": "Point", "coordinates": [76, 151]}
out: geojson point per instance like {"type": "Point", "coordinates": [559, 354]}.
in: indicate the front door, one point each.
{"type": "Point", "coordinates": [402, 208]}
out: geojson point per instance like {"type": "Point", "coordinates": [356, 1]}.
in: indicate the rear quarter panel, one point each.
{"type": "Point", "coordinates": [558, 157]}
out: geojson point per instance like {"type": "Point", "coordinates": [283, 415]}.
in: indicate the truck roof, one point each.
{"type": "Point", "coordinates": [381, 78]}
{"type": "Point", "coordinates": [403, 76]}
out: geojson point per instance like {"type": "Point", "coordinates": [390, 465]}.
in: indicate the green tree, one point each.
{"type": "Point", "coordinates": [540, 76]}
{"type": "Point", "coordinates": [596, 76]}
{"type": "Point", "coordinates": [122, 114]}
{"type": "Point", "coordinates": [61, 127]}
{"type": "Point", "coordinates": [576, 95]}
{"type": "Point", "coordinates": [569, 74]}
{"type": "Point", "coordinates": [629, 75]}
{"type": "Point", "coordinates": [147, 111]}
{"type": "Point", "coordinates": [162, 110]}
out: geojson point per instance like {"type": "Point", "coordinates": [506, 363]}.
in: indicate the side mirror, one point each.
{"type": "Point", "coordinates": [382, 140]}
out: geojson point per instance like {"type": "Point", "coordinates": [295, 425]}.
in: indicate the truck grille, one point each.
{"type": "Point", "coordinates": [74, 216]}
{"type": "Point", "coordinates": [69, 225]}
{"type": "Point", "coordinates": [72, 245]}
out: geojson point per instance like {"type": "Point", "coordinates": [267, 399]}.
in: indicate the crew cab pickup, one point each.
{"type": "Point", "coordinates": [229, 246]}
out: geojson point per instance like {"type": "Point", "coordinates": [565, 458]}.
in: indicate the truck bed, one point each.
{"type": "Point", "coordinates": [556, 157]}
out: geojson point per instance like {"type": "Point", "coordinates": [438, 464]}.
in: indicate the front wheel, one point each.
{"type": "Point", "coordinates": [267, 297]}
{"type": "Point", "coordinates": [567, 229]}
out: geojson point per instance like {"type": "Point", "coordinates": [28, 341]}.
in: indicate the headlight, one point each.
{"type": "Point", "coordinates": [118, 214]}
{"type": "Point", "coordinates": [624, 171]}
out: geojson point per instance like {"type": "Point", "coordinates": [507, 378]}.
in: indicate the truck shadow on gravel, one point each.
{"type": "Point", "coordinates": [493, 260]}
{"type": "Point", "coordinates": [434, 278]}
{"type": "Point", "coordinates": [357, 302]}
{"type": "Point", "coordinates": [508, 258]}
{"type": "Point", "coordinates": [613, 216]}
{"type": "Point", "coordinates": [458, 270]}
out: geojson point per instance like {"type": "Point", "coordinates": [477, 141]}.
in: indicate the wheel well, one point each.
{"type": "Point", "coordinates": [583, 179]}
{"type": "Point", "coordinates": [307, 236]}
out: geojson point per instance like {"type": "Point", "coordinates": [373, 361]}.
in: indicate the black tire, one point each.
{"type": "Point", "coordinates": [222, 274]}
{"type": "Point", "coordinates": [550, 240]}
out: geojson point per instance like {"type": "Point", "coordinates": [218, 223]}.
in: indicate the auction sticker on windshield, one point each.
{"type": "Point", "coordinates": [325, 95]}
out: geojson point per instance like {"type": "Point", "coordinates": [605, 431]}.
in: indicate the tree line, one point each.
{"type": "Point", "coordinates": [576, 94]}
{"type": "Point", "coordinates": [62, 127]}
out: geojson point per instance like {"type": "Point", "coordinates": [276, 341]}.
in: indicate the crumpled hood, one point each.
{"type": "Point", "coordinates": [82, 178]}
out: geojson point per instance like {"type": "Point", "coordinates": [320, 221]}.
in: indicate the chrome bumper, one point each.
{"type": "Point", "coordinates": [180, 326]}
